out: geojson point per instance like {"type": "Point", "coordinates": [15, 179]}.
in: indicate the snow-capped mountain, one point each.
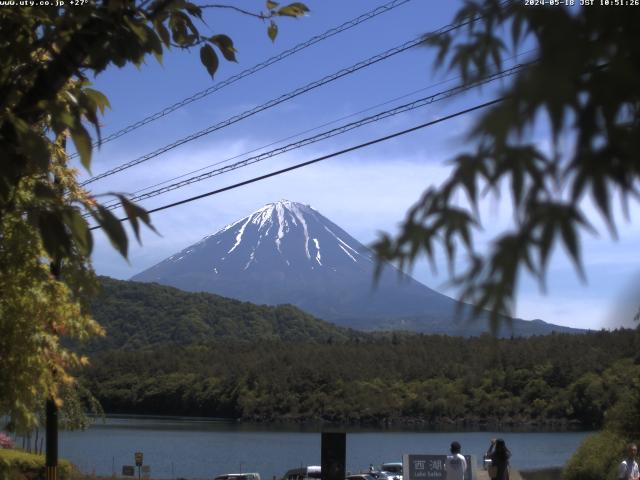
{"type": "Point", "coordinates": [287, 252]}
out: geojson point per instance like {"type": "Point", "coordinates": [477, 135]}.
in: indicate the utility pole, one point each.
{"type": "Point", "coordinates": [51, 420]}
{"type": "Point", "coordinates": [51, 410]}
{"type": "Point", "coordinates": [333, 455]}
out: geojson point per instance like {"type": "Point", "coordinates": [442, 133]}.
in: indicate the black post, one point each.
{"type": "Point", "coordinates": [52, 440]}
{"type": "Point", "coordinates": [333, 455]}
{"type": "Point", "coordinates": [51, 420]}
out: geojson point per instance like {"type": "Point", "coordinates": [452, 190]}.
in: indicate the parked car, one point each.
{"type": "Point", "coordinates": [360, 476]}
{"type": "Point", "coordinates": [392, 470]}
{"type": "Point", "coordinates": [303, 473]}
{"type": "Point", "coordinates": [378, 475]}
{"type": "Point", "coordinates": [238, 476]}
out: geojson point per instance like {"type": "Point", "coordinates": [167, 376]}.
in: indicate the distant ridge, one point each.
{"type": "Point", "coordinates": [141, 315]}
{"type": "Point", "coordinates": [288, 253]}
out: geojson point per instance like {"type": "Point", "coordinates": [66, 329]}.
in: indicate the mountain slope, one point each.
{"type": "Point", "coordinates": [138, 315]}
{"type": "Point", "coordinates": [287, 252]}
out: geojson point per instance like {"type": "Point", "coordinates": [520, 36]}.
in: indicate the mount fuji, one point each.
{"type": "Point", "coordinates": [288, 253]}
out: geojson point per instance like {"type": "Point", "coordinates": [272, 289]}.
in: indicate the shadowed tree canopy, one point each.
{"type": "Point", "coordinates": [47, 56]}
{"type": "Point", "coordinates": [584, 85]}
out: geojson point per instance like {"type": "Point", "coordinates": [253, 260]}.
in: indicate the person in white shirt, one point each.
{"type": "Point", "coordinates": [455, 465]}
{"type": "Point", "coordinates": [628, 469]}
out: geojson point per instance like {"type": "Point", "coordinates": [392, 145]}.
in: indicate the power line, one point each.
{"type": "Point", "coordinates": [317, 127]}
{"type": "Point", "coordinates": [289, 137]}
{"type": "Point", "coordinates": [276, 101]}
{"type": "Point", "coordinates": [249, 71]}
{"type": "Point", "coordinates": [318, 159]}
{"type": "Point", "coordinates": [422, 102]}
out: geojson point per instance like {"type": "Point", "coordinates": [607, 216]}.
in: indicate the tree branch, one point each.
{"type": "Point", "coordinates": [260, 15]}
{"type": "Point", "coordinates": [187, 47]}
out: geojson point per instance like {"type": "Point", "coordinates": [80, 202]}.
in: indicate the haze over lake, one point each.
{"type": "Point", "coordinates": [202, 448]}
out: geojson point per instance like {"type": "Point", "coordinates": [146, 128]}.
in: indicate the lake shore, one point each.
{"type": "Point", "coordinates": [400, 424]}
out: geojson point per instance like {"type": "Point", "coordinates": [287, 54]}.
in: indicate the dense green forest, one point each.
{"type": "Point", "coordinates": [170, 352]}
{"type": "Point", "coordinates": [548, 380]}
{"type": "Point", "coordinates": [140, 315]}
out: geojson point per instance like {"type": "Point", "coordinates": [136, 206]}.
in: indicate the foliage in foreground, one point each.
{"type": "Point", "coordinates": [47, 55]}
{"type": "Point", "coordinates": [37, 310]}
{"type": "Point", "coordinates": [597, 458]}
{"type": "Point", "coordinates": [599, 455]}
{"type": "Point", "coordinates": [581, 93]}
{"type": "Point", "coordinates": [19, 465]}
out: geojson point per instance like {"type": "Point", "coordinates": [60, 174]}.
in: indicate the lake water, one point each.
{"type": "Point", "coordinates": [203, 449]}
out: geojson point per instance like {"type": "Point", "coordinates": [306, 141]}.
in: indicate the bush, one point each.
{"type": "Point", "coordinates": [19, 465]}
{"type": "Point", "coordinates": [624, 416]}
{"type": "Point", "coordinates": [597, 458]}
{"type": "Point", "coordinates": [5, 441]}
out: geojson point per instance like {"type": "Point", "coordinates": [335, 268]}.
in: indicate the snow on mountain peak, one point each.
{"type": "Point", "coordinates": [280, 235]}
{"type": "Point", "coordinates": [288, 253]}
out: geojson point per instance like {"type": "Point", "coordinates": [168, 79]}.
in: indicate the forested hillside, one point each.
{"type": "Point", "coordinates": [555, 379]}
{"type": "Point", "coordinates": [142, 315]}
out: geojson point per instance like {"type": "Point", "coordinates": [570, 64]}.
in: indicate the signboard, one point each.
{"type": "Point", "coordinates": [432, 467]}
{"type": "Point", "coordinates": [128, 470]}
{"type": "Point", "coordinates": [138, 456]}
{"type": "Point", "coordinates": [146, 471]}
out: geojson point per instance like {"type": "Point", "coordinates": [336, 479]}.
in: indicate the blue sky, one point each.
{"type": "Point", "coordinates": [364, 192]}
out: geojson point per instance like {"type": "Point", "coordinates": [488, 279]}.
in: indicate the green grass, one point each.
{"type": "Point", "coordinates": [19, 465]}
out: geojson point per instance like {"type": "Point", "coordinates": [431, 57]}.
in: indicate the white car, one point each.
{"type": "Point", "coordinates": [392, 469]}
{"type": "Point", "coordinates": [304, 473]}
{"type": "Point", "coordinates": [238, 476]}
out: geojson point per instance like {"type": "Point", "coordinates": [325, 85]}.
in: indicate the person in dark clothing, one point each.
{"type": "Point", "coordinates": [486, 458]}
{"type": "Point", "coordinates": [500, 460]}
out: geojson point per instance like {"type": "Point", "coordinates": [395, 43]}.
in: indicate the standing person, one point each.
{"type": "Point", "coordinates": [500, 461]}
{"type": "Point", "coordinates": [492, 447]}
{"type": "Point", "coordinates": [455, 464]}
{"type": "Point", "coordinates": [628, 469]}
{"type": "Point", "coordinates": [486, 458]}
